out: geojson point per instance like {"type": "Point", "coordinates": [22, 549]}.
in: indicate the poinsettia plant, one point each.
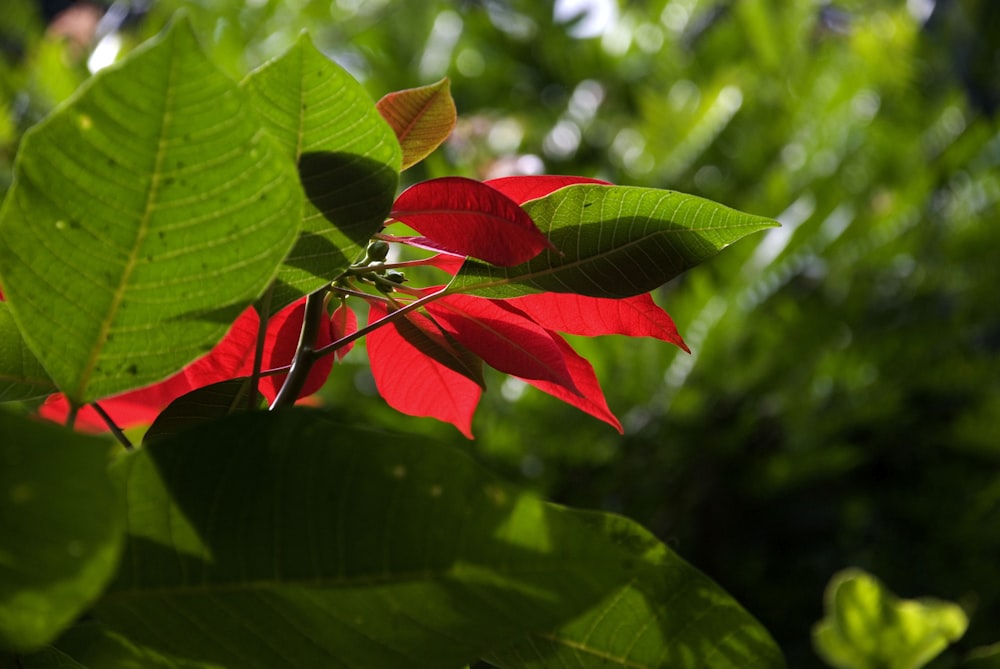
{"type": "Point", "coordinates": [428, 361]}
{"type": "Point", "coordinates": [183, 251]}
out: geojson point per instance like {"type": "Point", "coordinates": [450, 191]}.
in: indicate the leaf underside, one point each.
{"type": "Point", "coordinates": [341, 546]}
{"type": "Point", "coordinates": [22, 377]}
{"type": "Point", "coordinates": [347, 155]}
{"type": "Point", "coordinates": [669, 615]}
{"type": "Point", "coordinates": [145, 215]}
{"type": "Point", "coordinates": [613, 241]}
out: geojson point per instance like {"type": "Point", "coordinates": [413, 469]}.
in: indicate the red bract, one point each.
{"type": "Point", "coordinates": [505, 338]}
{"type": "Point", "coordinates": [411, 379]}
{"type": "Point", "coordinates": [590, 398]}
{"type": "Point", "coordinates": [575, 314]}
{"type": "Point", "coordinates": [231, 358]}
{"type": "Point", "coordinates": [139, 407]}
{"type": "Point", "coordinates": [343, 322]}
{"type": "Point", "coordinates": [468, 218]}
{"type": "Point", "coordinates": [280, 343]}
{"type": "Point", "coordinates": [522, 189]}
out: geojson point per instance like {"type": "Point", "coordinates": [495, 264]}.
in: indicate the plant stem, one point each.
{"type": "Point", "coordinates": [305, 352]}
{"type": "Point", "coordinates": [391, 316]}
{"type": "Point", "coordinates": [115, 430]}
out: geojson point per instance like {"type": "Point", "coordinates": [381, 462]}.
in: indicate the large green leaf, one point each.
{"type": "Point", "coordinates": [348, 159]}
{"type": "Point", "coordinates": [60, 531]}
{"type": "Point", "coordinates": [21, 375]}
{"type": "Point", "coordinates": [47, 658]}
{"type": "Point", "coordinates": [145, 215]}
{"type": "Point", "coordinates": [281, 539]}
{"type": "Point", "coordinates": [202, 405]}
{"type": "Point", "coordinates": [94, 646]}
{"type": "Point", "coordinates": [868, 627]}
{"type": "Point", "coordinates": [613, 241]}
{"type": "Point", "coordinates": [669, 615]}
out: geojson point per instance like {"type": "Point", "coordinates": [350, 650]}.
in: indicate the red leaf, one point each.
{"type": "Point", "coordinates": [139, 407]}
{"type": "Point", "coordinates": [468, 218]}
{"type": "Point", "coordinates": [446, 262]}
{"type": "Point", "coordinates": [575, 314]}
{"type": "Point", "coordinates": [507, 339]}
{"type": "Point", "coordinates": [415, 384]}
{"type": "Point", "coordinates": [591, 398]}
{"type": "Point", "coordinates": [522, 189]}
{"type": "Point", "coordinates": [280, 342]}
{"type": "Point", "coordinates": [343, 322]}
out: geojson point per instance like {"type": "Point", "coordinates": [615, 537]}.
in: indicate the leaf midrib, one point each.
{"type": "Point", "coordinates": [576, 264]}
{"type": "Point", "coordinates": [421, 112]}
{"type": "Point", "coordinates": [118, 295]}
{"type": "Point", "coordinates": [338, 583]}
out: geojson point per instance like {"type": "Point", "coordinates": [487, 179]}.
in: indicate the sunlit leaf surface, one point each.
{"type": "Point", "coordinates": [282, 539]}
{"type": "Point", "coordinates": [145, 216]}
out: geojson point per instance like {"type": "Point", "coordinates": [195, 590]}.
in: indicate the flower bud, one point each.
{"type": "Point", "coordinates": [378, 250]}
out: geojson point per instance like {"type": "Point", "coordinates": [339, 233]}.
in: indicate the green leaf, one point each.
{"type": "Point", "coordinates": [93, 645]}
{"type": "Point", "coordinates": [613, 241]}
{"type": "Point", "coordinates": [984, 657]}
{"type": "Point", "coordinates": [348, 160]}
{"type": "Point", "coordinates": [22, 377]}
{"type": "Point", "coordinates": [145, 216]}
{"type": "Point", "coordinates": [867, 627]}
{"type": "Point", "coordinates": [421, 117]}
{"type": "Point", "coordinates": [281, 539]}
{"type": "Point", "coordinates": [201, 406]}
{"type": "Point", "coordinates": [669, 615]}
{"type": "Point", "coordinates": [60, 531]}
{"type": "Point", "coordinates": [47, 658]}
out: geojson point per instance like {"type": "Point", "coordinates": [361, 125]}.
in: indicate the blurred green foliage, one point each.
{"type": "Point", "coordinates": [867, 627]}
{"type": "Point", "coordinates": [840, 405]}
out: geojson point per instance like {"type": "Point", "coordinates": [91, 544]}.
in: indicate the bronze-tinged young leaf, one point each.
{"type": "Point", "coordinates": [670, 616]}
{"type": "Point", "coordinates": [145, 215]}
{"type": "Point", "coordinates": [613, 241]}
{"type": "Point", "coordinates": [421, 117]}
{"type": "Point", "coordinates": [348, 160]}
{"type": "Point", "coordinates": [468, 218]}
{"type": "Point", "coordinates": [284, 540]}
